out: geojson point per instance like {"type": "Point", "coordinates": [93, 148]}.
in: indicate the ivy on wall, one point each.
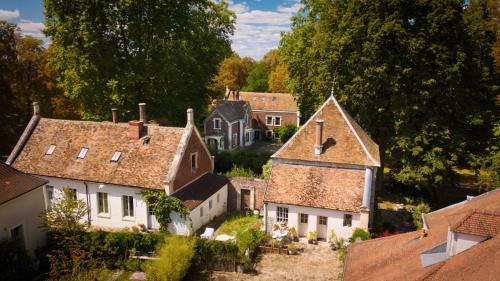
{"type": "Point", "coordinates": [163, 206]}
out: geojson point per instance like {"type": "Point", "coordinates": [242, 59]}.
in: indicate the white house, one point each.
{"type": "Point", "coordinates": [21, 203]}
{"type": "Point", "coordinates": [110, 164]}
{"type": "Point", "coordinates": [323, 178]}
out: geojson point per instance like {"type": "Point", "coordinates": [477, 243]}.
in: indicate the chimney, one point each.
{"type": "Point", "coordinates": [142, 113]}
{"type": "Point", "coordinates": [318, 146]}
{"type": "Point", "coordinates": [114, 111]}
{"type": "Point", "coordinates": [238, 95]}
{"type": "Point", "coordinates": [135, 129]}
{"type": "Point", "coordinates": [36, 109]}
{"type": "Point", "coordinates": [190, 120]}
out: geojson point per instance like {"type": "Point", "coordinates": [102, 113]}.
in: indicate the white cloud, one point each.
{"type": "Point", "coordinates": [8, 15]}
{"type": "Point", "coordinates": [30, 28]}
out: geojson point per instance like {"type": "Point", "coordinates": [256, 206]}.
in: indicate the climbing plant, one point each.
{"type": "Point", "coordinates": [163, 206]}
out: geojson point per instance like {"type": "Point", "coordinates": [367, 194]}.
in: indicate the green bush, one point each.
{"type": "Point", "coordinates": [266, 169]}
{"type": "Point", "coordinates": [174, 259]}
{"type": "Point", "coordinates": [238, 171]}
{"type": "Point", "coordinates": [15, 263]}
{"type": "Point", "coordinates": [225, 160]}
{"type": "Point", "coordinates": [286, 132]}
{"type": "Point", "coordinates": [359, 233]}
{"type": "Point", "coordinates": [249, 239]}
{"type": "Point", "coordinates": [416, 212]}
{"type": "Point", "coordinates": [207, 250]}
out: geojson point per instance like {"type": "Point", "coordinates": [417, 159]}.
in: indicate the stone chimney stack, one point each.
{"type": "Point", "coordinates": [36, 109]}
{"type": "Point", "coordinates": [114, 111]}
{"type": "Point", "coordinates": [318, 146]}
{"type": "Point", "coordinates": [135, 129]}
{"type": "Point", "coordinates": [142, 113]}
{"type": "Point", "coordinates": [190, 117]}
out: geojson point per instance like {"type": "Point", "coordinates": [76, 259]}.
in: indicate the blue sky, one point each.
{"type": "Point", "coordinates": [258, 22]}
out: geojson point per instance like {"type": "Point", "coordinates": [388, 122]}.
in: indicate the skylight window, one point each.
{"type": "Point", "coordinates": [51, 149]}
{"type": "Point", "coordinates": [116, 156]}
{"type": "Point", "coordinates": [83, 153]}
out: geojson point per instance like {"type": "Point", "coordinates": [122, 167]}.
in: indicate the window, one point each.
{"type": "Point", "coordinates": [235, 139]}
{"type": "Point", "coordinates": [304, 218]}
{"type": "Point", "coordinates": [83, 153]}
{"type": "Point", "coordinates": [269, 134]}
{"type": "Point", "coordinates": [277, 120]}
{"type": "Point", "coordinates": [151, 212]}
{"type": "Point", "coordinates": [17, 233]}
{"type": "Point", "coordinates": [216, 123]}
{"type": "Point", "coordinates": [247, 136]}
{"type": "Point", "coordinates": [73, 193]}
{"type": "Point", "coordinates": [194, 161]}
{"type": "Point", "coordinates": [269, 120]}
{"type": "Point", "coordinates": [218, 197]}
{"type": "Point", "coordinates": [322, 220]}
{"type": "Point", "coordinates": [201, 211]}
{"type": "Point", "coordinates": [128, 206]}
{"type": "Point", "coordinates": [347, 220]}
{"type": "Point", "coordinates": [282, 214]}
{"type": "Point", "coordinates": [51, 149]}
{"type": "Point", "coordinates": [116, 156]}
{"type": "Point", "coordinates": [49, 189]}
{"type": "Point", "coordinates": [102, 203]}
{"type": "Point", "coordinates": [210, 204]}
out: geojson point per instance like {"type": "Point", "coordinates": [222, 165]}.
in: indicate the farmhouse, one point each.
{"type": "Point", "coordinates": [21, 203]}
{"type": "Point", "coordinates": [323, 178]}
{"type": "Point", "coordinates": [109, 164]}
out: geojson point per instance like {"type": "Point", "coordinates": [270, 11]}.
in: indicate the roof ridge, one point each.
{"type": "Point", "coordinates": [106, 123]}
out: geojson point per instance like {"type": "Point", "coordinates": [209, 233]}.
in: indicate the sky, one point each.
{"type": "Point", "coordinates": [259, 23]}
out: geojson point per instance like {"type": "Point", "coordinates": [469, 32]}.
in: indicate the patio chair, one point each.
{"type": "Point", "coordinates": [208, 234]}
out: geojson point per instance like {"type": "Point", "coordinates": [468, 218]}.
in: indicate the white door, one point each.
{"type": "Point", "coordinates": [152, 222]}
{"type": "Point", "coordinates": [303, 225]}
{"type": "Point", "coordinates": [322, 222]}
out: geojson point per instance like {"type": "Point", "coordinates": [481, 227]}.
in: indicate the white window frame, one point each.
{"type": "Point", "coordinates": [83, 152]}
{"type": "Point", "coordinates": [201, 211]}
{"type": "Point", "coordinates": [104, 204]}
{"type": "Point", "coordinates": [194, 165]}
{"type": "Point", "coordinates": [129, 212]}
{"type": "Point", "coordinates": [277, 118]}
{"type": "Point", "coordinates": [49, 191]}
{"type": "Point", "coordinates": [269, 134]}
{"type": "Point", "coordinates": [304, 218]}
{"type": "Point", "coordinates": [116, 156]}
{"type": "Point", "coordinates": [218, 197]}
{"type": "Point", "coordinates": [347, 222]}
{"type": "Point", "coordinates": [235, 139]}
{"type": "Point", "coordinates": [51, 149]}
{"type": "Point", "coordinates": [210, 204]}
{"type": "Point", "coordinates": [219, 122]}
{"type": "Point", "coordinates": [281, 214]}
{"type": "Point", "coordinates": [322, 220]}
{"type": "Point", "coordinates": [75, 193]}
{"type": "Point", "coordinates": [267, 119]}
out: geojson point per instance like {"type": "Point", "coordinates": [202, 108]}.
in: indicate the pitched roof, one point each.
{"type": "Point", "coordinates": [321, 187]}
{"type": "Point", "coordinates": [141, 164]}
{"type": "Point", "coordinates": [344, 140]}
{"type": "Point", "coordinates": [195, 193]}
{"type": "Point", "coordinates": [14, 183]}
{"type": "Point", "coordinates": [232, 110]}
{"type": "Point", "coordinates": [270, 101]}
{"type": "Point", "coordinates": [478, 222]}
{"type": "Point", "coordinates": [398, 257]}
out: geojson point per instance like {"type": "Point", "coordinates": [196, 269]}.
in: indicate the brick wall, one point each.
{"type": "Point", "coordinates": [257, 188]}
{"type": "Point", "coordinates": [286, 118]}
{"type": "Point", "coordinates": [209, 128]}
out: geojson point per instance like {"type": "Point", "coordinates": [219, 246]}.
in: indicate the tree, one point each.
{"type": "Point", "coordinates": [174, 259]}
{"type": "Point", "coordinates": [232, 73]}
{"type": "Point", "coordinates": [418, 76]}
{"type": "Point", "coordinates": [257, 78]}
{"type": "Point", "coordinates": [286, 132]}
{"type": "Point", "coordinates": [278, 79]}
{"type": "Point", "coordinates": [120, 53]}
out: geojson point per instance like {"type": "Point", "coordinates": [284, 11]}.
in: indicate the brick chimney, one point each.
{"type": "Point", "coordinates": [136, 129]}
{"type": "Point", "coordinates": [114, 112]}
{"type": "Point", "coordinates": [142, 113]}
{"type": "Point", "coordinates": [190, 117]}
{"type": "Point", "coordinates": [318, 146]}
{"type": "Point", "coordinates": [36, 109]}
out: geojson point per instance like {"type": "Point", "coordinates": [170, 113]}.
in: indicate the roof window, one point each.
{"type": "Point", "coordinates": [116, 156]}
{"type": "Point", "coordinates": [51, 149]}
{"type": "Point", "coordinates": [274, 98]}
{"type": "Point", "coordinates": [83, 153]}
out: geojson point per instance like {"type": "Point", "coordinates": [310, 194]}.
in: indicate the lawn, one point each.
{"type": "Point", "coordinates": [237, 222]}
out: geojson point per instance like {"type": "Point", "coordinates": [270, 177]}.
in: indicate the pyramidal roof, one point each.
{"type": "Point", "coordinates": [344, 141]}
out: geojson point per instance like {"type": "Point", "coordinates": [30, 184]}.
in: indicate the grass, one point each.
{"type": "Point", "coordinates": [238, 222]}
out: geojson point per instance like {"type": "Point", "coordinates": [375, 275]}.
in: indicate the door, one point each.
{"type": "Point", "coordinates": [245, 199]}
{"type": "Point", "coordinates": [256, 135]}
{"type": "Point", "coordinates": [152, 222]}
{"type": "Point", "coordinates": [17, 234]}
{"type": "Point", "coordinates": [322, 222]}
{"type": "Point", "coordinates": [303, 225]}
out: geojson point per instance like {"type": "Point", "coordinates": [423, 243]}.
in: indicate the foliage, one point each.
{"type": "Point", "coordinates": [266, 169]}
{"type": "Point", "coordinates": [416, 211]}
{"type": "Point", "coordinates": [489, 165]}
{"type": "Point", "coordinates": [238, 171]}
{"type": "Point", "coordinates": [278, 80]}
{"type": "Point", "coordinates": [163, 206]}
{"type": "Point", "coordinates": [249, 239]}
{"type": "Point", "coordinates": [286, 132]}
{"type": "Point", "coordinates": [232, 73]}
{"type": "Point", "coordinates": [206, 250]}
{"type": "Point", "coordinates": [15, 263]}
{"type": "Point", "coordinates": [418, 76]}
{"type": "Point", "coordinates": [174, 259]}
{"type": "Point", "coordinates": [225, 160]}
{"type": "Point", "coordinates": [238, 222]}
{"type": "Point", "coordinates": [257, 78]}
{"type": "Point", "coordinates": [119, 53]}
{"type": "Point", "coordinates": [312, 236]}
{"type": "Point", "coordinates": [359, 233]}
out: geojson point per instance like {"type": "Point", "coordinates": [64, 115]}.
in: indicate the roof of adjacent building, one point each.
{"type": "Point", "coordinates": [195, 193]}
{"type": "Point", "coordinates": [143, 162]}
{"type": "Point", "coordinates": [478, 222]}
{"type": "Point", "coordinates": [232, 110]}
{"type": "Point", "coordinates": [344, 141]}
{"type": "Point", "coordinates": [14, 183]}
{"type": "Point", "coordinates": [398, 257]}
{"type": "Point", "coordinates": [320, 187]}
{"type": "Point", "coordinates": [270, 101]}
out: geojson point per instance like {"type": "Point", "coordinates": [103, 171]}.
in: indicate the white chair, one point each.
{"type": "Point", "coordinates": [208, 234]}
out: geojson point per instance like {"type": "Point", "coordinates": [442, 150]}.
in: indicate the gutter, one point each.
{"type": "Point", "coordinates": [88, 203]}
{"type": "Point", "coordinates": [26, 134]}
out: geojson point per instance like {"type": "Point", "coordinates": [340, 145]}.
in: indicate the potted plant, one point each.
{"type": "Point", "coordinates": [294, 235]}
{"type": "Point", "coordinates": [332, 239]}
{"type": "Point", "coordinates": [292, 248]}
{"type": "Point", "coordinates": [312, 237]}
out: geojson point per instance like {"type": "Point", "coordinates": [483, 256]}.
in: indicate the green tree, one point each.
{"type": "Point", "coordinates": [232, 73]}
{"type": "Point", "coordinates": [417, 75]}
{"type": "Point", "coordinates": [278, 79]}
{"type": "Point", "coordinates": [286, 132]}
{"type": "Point", "coordinates": [257, 78]}
{"type": "Point", "coordinates": [120, 52]}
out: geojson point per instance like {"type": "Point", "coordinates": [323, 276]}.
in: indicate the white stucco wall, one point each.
{"type": "Point", "coordinates": [335, 219]}
{"type": "Point", "coordinates": [24, 210]}
{"type": "Point", "coordinates": [209, 214]}
{"type": "Point", "coordinates": [459, 242]}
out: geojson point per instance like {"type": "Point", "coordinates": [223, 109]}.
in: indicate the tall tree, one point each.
{"type": "Point", "coordinates": [120, 52]}
{"type": "Point", "coordinates": [232, 73]}
{"type": "Point", "coordinates": [278, 79]}
{"type": "Point", "coordinates": [257, 78]}
{"type": "Point", "coordinates": [416, 74]}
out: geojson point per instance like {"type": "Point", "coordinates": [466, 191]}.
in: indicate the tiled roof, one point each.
{"type": "Point", "coordinates": [321, 187]}
{"type": "Point", "coordinates": [398, 257]}
{"type": "Point", "coordinates": [195, 193]}
{"type": "Point", "coordinates": [478, 222]}
{"type": "Point", "coordinates": [141, 164]}
{"type": "Point", "coordinates": [270, 101]}
{"type": "Point", "coordinates": [344, 142]}
{"type": "Point", "coordinates": [232, 110]}
{"type": "Point", "coordinates": [14, 183]}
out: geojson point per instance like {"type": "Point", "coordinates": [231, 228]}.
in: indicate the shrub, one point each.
{"type": "Point", "coordinates": [416, 212]}
{"type": "Point", "coordinates": [249, 239]}
{"type": "Point", "coordinates": [286, 132]}
{"type": "Point", "coordinates": [266, 169]}
{"type": "Point", "coordinates": [225, 160]}
{"type": "Point", "coordinates": [15, 264]}
{"type": "Point", "coordinates": [174, 259]}
{"type": "Point", "coordinates": [359, 233]}
{"type": "Point", "coordinates": [238, 171]}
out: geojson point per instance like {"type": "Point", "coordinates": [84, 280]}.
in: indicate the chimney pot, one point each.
{"type": "Point", "coordinates": [114, 111]}
{"type": "Point", "coordinates": [36, 109]}
{"type": "Point", "coordinates": [135, 129]}
{"type": "Point", "coordinates": [318, 146]}
{"type": "Point", "coordinates": [142, 113]}
{"type": "Point", "coordinates": [190, 118]}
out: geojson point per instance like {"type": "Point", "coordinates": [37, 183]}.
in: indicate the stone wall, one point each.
{"type": "Point", "coordinates": [257, 188]}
